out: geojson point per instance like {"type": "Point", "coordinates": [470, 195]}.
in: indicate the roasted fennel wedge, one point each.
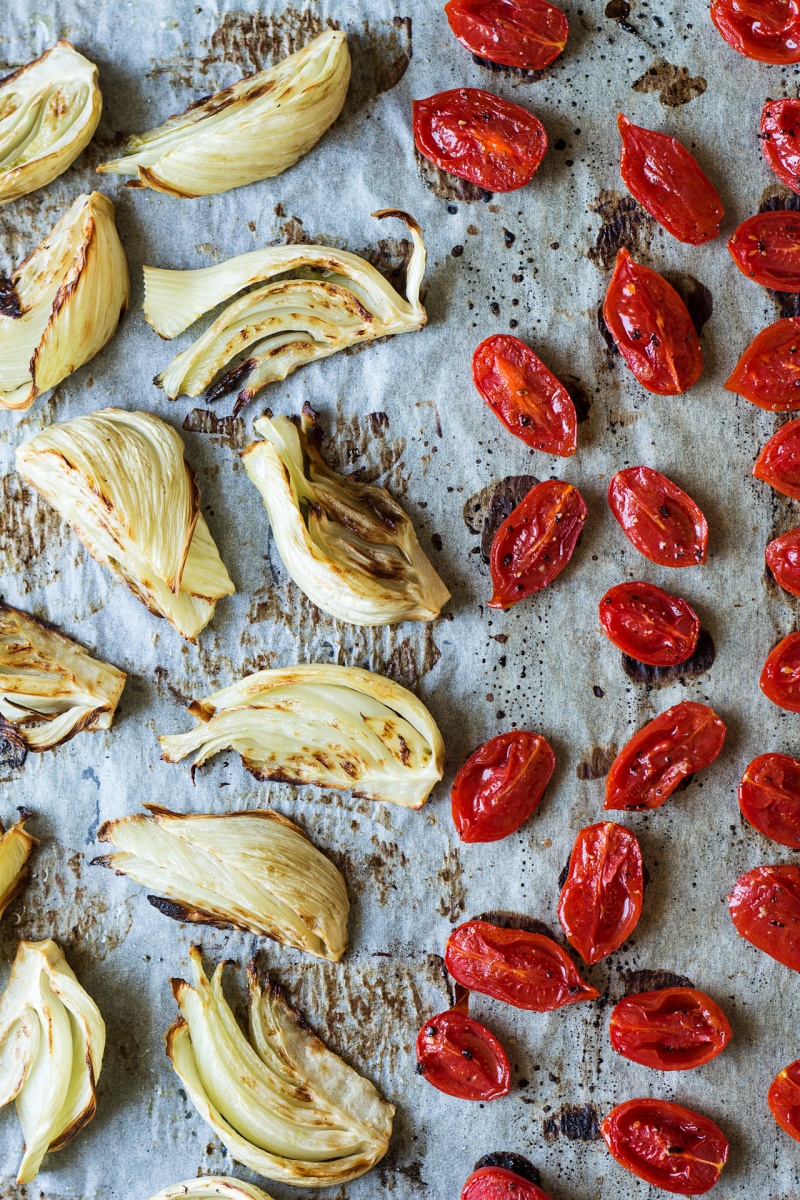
{"type": "Point", "coordinates": [16, 847]}
{"type": "Point", "coordinates": [280, 1101]}
{"type": "Point", "coordinates": [210, 1186]}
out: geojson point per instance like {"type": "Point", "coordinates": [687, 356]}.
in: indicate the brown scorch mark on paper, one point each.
{"type": "Point", "coordinates": [624, 223]}
{"type": "Point", "coordinates": [224, 431]}
{"type": "Point", "coordinates": [486, 510]}
{"type": "Point", "coordinates": [453, 900]}
{"type": "Point", "coordinates": [30, 532]}
{"type": "Point", "coordinates": [674, 85]}
{"type": "Point", "coordinates": [509, 1161]}
{"type": "Point", "coordinates": [448, 187]}
{"type": "Point", "coordinates": [695, 295]}
{"type": "Point", "coordinates": [575, 1122]}
{"type": "Point", "coordinates": [658, 677]}
{"type": "Point", "coordinates": [12, 758]}
{"type": "Point", "coordinates": [652, 981]}
{"type": "Point", "coordinates": [255, 41]}
{"type": "Point", "coordinates": [597, 762]}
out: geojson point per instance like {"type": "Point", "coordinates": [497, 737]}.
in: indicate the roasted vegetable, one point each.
{"type": "Point", "coordinates": [15, 850]}
{"type": "Point", "coordinates": [210, 1186]}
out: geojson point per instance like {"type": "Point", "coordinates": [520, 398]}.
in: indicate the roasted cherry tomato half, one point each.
{"type": "Point", "coordinates": [669, 182]}
{"type": "Point", "coordinates": [783, 560]}
{"type": "Point", "coordinates": [783, 1099]}
{"type": "Point", "coordinates": [780, 140]}
{"type": "Point", "coordinates": [668, 1146]}
{"type": "Point", "coordinates": [658, 518]}
{"type": "Point", "coordinates": [766, 30]}
{"type": "Point", "coordinates": [652, 328]}
{"type": "Point", "coordinates": [769, 797]}
{"type": "Point", "coordinates": [766, 248]}
{"type": "Point", "coordinates": [479, 137]}
{"type": "Point", "coordinates": [768, 373]}
{"type": "Point", "coordinates": [525, 969]}
{"type": "Point", "coordinates": [462, 1058]}
{"type": "Point", "coordinates": [778, 464]}
{"type": "Point", "coordinates": [765, 907]}
{"type": "Point", "coordinates": [536, 541]}
{"type": "Point", "coordinates": [516, 33]}
{"type": "Point", "coordinates": [527, 398]}
{"type": "Point", "coordinates": [780, 678]}
{"type": "Point", "coordinates": [674, 1029]}
{"type": "Point", "coordinates": [601, 901]}
{"type": "Point", "coordinates": [500, 786]}
{"type": "Point", "coordinates": [498, 1183]}
{"type": "Point", "coordinates": [649, 624]}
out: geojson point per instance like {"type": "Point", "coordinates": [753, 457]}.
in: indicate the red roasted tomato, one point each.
{"type": "Point", "coordinates": [783, 1099]}
{"type": "Point", "coordinates": [516, 33]}
{"type": "Point", "coordinates": [478, 136]}
{"type": "Point", "coordinates": [766, 30]}
{"type": "Point", "coordinates": [768, 373]}
{"type": "Point", "coordinates": [601, 901]}
{"type": "Point", "coordinates": [778, 464]}
{"type": "Point", "coordinates": [462, 1058]}
{"type": "Point", "coordinates": [780, 678]}
{"type": "Point", "coordinates": [765, 906]}
{"type": "Point", "coordinates": [649, 624]}
{"type": "Point", "coordinates": [684, 739]}
{"type": "Point", "coordinates": [658, 518]}
{"type": "Point", "coordinates": [500, 786]}
{"type": "Point", "coordinates": [536, 541]}
{"type": "Point", "coordinates": [780, 131]}
{"type": "Point", "coordinates": [498, 1183]}
{"type": "Point", "coordinates": [525, 969]}
{"type": "Point", "coordinates": [674, 1029]}
{"type": "Point", "coordinates": [669, 182]}
{"type": "Point", "coordinates": [652, 328]}
{"type": "Point", "coordinates": [769, 797]}
{"type": "Point", "coordinates": [668, 1146]}
{"type": "Point", "coordinates": [783, 559]}
{"type": "Point", "coordinates": [766, 248]}
{"type": "Point", "coordinates": [527, 398]}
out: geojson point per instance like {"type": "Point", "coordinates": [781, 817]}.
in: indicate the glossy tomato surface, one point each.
{"type": "Point", "coordinates": [769, 797]}
{"type": "Point", "coordinates": [766, 248]}
{"type": "Point", "coordinates": [780, 140]}
{"type": "Point", "coordinates": [500, 786]}
{"type": "Point", "coordinates": [765, 906]}
{"type": "Point", "coordinates": [525, 395]}
{"type": "Point", "coordinates": [674, 1029]}
{"type": "Point", "coordinates": [649, 624]}
{"type": "Point", "coordinates": [766, 30]}
{"type": "Point", "coordinates": [669, 182]}
{"type": "Point", "coordinates": [601, 901]}
{"type": "Point", "coordinates": [783, 1098]}
{"type": "Point", "coordinates": [684, 739]}
{"type": "Point", "coordinates": [780, 678]}
{"type": "Point", "coordinates": [652, 328]}
{"type": "Point", "coordinates": [668, 1146]}
{"type": "Point", "coordinates": [462, 1058]}
{"type": "Point", "coordinates": [536, 541]}
{"type": "Point", "coordinates": [768, 373]}
{"type": "Point", "coordinates": [658, 518]}
{"type": "Point", "coordinates": [778, 464]}
{"type": "Point", "coordinates": [783, 560]}
{"type": "Point", "coordinates": [525, 969]}
{"type": "Point", "coordinates": [516, 33]}
{"type": "Point", "coordinates": [498, 1183]}
{"type": "Point", "coordinates": [479, 137]}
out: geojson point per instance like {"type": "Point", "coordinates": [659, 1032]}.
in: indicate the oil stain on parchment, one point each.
{"type": "Point", "coordinates": [448, 187]}
{"type": "Point", "coordinates": [486, 510]}
{"type": "Point", "coordinates": [224, 431]}
{"type": "Point", "coordinates": [695, 295]}
{"type": "Point", "coordinates": [30, 532]}
{"type": "Point", "coordinates": [647, 980]}
{"type": "Point", "coordinates": [623, 223]}
{"type": "Point", "coordinates": [597, 763]}
{"type": "Point", "coordinates": [658, 677]}
{"type": "Point", "coordinates": [453, 897]}
{"type": "Point", "coordinates": [674, 85]}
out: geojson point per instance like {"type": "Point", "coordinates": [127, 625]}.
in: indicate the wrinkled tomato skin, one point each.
{"type": "Point", "coordinates": [527, 970]}
{"type": "Point", "coordinates": [601, 901]}
{"type": "Point", "coordinates": [766, 248]}
{"type": "Point", "coordinates": [780, 678]}
{"type": "Point", "coordinates": [780, 131]}
{"type": "Point", "coordinates": [783, 1099]}
{"type": "Point", "coordinates": [461, 1058]}
{"type": "Point", "coordinates": [765, 907]}
{"type": "Point", "coordinates": [769, 797]}
{"type": "Point", "coordinates": [765, 30]}
{"type": "Point", "coordinates": [669, 182]}
{"type": "Point", "coordinates": [529, 34]}
{"type": "Point", "coordinates": [778, 464]}
{"type": "Point", "coordinates": [501, 785]}
{"type": "Point", "coordinates": [477, 136]}
{"type": "Point", "coordinates": [649, 624]}
{"type": "Point", "coordinates": [652, 328]}
{"type": "Point", "coordinates": [783, 559]}
{"type": "Point", "coordinates": [681, 741]}
{"type": "Point", "coordinates": [536, 541]}
{"type": "Point", "coordinates": [670, 1147]}
{"type": "Point", "coordinates": [528, 399]}
{"type": "Point", "coordinates": [675, 1029]}
{"type": "Point", "coordinates": [768, 373]}
{"type": "Point", "coordinates": [497, 1183]}
{"type": "Point", "coordinates": [658, 518]}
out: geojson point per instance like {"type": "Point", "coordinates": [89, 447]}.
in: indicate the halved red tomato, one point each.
{"type": "Point", "coordinates": [652, 328]}
{"type": "Point", "coordinates": [670, 1147]}
{"type": "Point", "coordinates": [783, 560]}
{"type": "Point", "coordinates": [498, 1183]}
{"type": "Point", "coordinates": [768, 373]}
{"type": "Point", "coordinates": [674, 1029]}
{"type": "Point", "coordinates": [658, 518]}
{"type": "Point", "coordinates": [769, 797]}
{"type": "Point", "coordinates": [783, 1099]}
{"type": "Point", "coordinates": [536, 541]}
{"type": "Point", "coordinates": [528, 399]}
{"type": "Point", "coordinates": [601, 901]}
{"type": "Point", "coordinates": [684, 739]}
{"type": "Point", "coordinates": [477, 136]}
{"type": "Point", "coordinates": [778, 464]}
{"type": "Point", "coordinates": [780, 678]}
{"type": "Point", "coordinates": [515, 33]}
{"type": "Point", "coordinates": [780, 140]}
{"type": "Point", "coordinates": [649, 624]}
{"type": "Point", "coordinates": [461, 1058]}
{"type": "Point", "coordinates": [766, 248]}
{"type": "Point", "coordinates": [766, 30]}
{"type": "Point", "coordinates": [500, 786]}
{"type": "Point", "coordinates": [765, 907]}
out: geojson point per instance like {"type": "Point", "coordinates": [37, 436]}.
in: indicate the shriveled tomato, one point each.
{"type": "Point", "coordinates": [780, 678]}
{"type": "Point", "coordinates": [780, 140]}
{"type": "Point", "coordinates": [674, 1029]}
{"type": "Point", "coordinates": [783, 560]}
{"type": "Point", "coordinates": [652, 328]}
{"type": "Point", "coordinates": [765, 906]}
{"type": "Point", "coordinates": [498, 1183]}
{"type": "Point", "coordinates": [783, 1099]}
{"type": "Point", "coordinates": [769, 797]}
{"type": "Point", "coordinates": [500, 786]}
{"type": "Point", "coordinates": [766, 248]}
{"type": "Point", "coordinates": [768, 373]}
{"type": "Point", "coordinates": [778, 464]}
{"type": "Point", "coordinates": [536, 541]}
{"type": "Point", "coordinates": [684, 739]}
{"type": "Point", "coordinates": [766, 30]}
{"type": "Point", "coordinates": [649, 624]}
{"type": "Point", "coordinates": [525, 969]}
{"type": "Point", "coordinates": [516, 33]}
{"type": "Point", "coordinates": [601, 901]}
{"type": "Point", "coordinates": [668, 1146]}
{"type": "Point", "coordinates": [658, 518]}
{"type": "Point", "coordinates": [462, 1058]}
{"type": "Point", "coordinates": [528, 399]}
{"type": "Point", "coordinates": [477, 136]}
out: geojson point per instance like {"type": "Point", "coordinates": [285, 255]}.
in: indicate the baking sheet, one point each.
{"type": "Point", "coordinates": [405, 412]}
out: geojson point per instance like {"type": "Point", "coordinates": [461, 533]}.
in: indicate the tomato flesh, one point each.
{"type": "Point", "coordinates": [768, 373]}
{"type": "Point", "coordinates": [498, 1183]}
{"type": "Point", "coordinates": [765, 30]}
{"type": "Point", "coordinates": [515, 33]}
{"type": "Point", "coordinates": [477, 136]}
{"type": "Point", "coordinates": [783, 1098]}
{"type": "Point", "coordinates": [500, 786]}
{"type": "Point", "coordinates": [461, 1058]}
{"type": "Point", "coordinates": [652, 328]}
{"type": "Point", "coordinates": [783, 560]}
{"type": "Point", "coordinates": [528, 399]}
{"type": "Point", "coordinates": [780, 678]}
{"type": "Point", "coordinates": [769, 797]}
{"type": "Point", "coordinates": [675, 1029]}
{"type": "Point", "coordinates": [658, 518]}
{"type": "Point", "coordinates": [536, 541]}
{"type": "Point", "coordinates": [765, 907]}
{"type": "Point", "coordinates": [778, 464]}
{"type": "Point", "coordinates": [668, 1146]}
{"type": "Point", "coordinates": [766, 248]}
{"type": "Point", "coordinates": [601, 901]}
{"type": "Point", "coordinates": [649, 624]}
{"type": "Point", "coordinates": [681, 741]}
{"type": "Point", "coordinates": [780, 131]}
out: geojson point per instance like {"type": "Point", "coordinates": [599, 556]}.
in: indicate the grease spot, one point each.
{"type": "Point", "coordinates": [658, 677]}
{"type": "Point", "coordinates": [597, 762]}
{"type": "Point", "coordinates": [674, 85]}
{"type": "Point", "coordinates": [224, 431]}
{"type": "Point", "coordinates": [453, 900]}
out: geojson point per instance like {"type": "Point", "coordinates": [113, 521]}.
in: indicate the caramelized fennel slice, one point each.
{"type": "Point", "coordinates": [16, 847]}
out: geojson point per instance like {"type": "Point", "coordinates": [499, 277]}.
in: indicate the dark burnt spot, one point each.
{"type": "Point", "coordinates": [448, 187]}
{"type": "Point", "coordinates": [605, 333]}
{"type": "Point", "coordinates": [564, 875]}
{"type": "Point", "coordinates": [13, 753]}
{"type": "Point", "coordinates": [652, 981]}
{"type": "Point", "coordinates": [623, 223]}
{"type": "Point", "coordinates": [518, 74]}
{"type": "Point", "coordinates": [695, 295]}
{"type": "Point", "coordinates": [514, 920]}
{"type": "Point", "coordinates": [778, 198]}
{"type": "Point", "coordinates": [597, 762]}
{"type": "Point", "coordinates": [658, 677]}
{"type": "Point", "coordinates": [477, 508]}
{"type": "Point", "coordinates": [579, 397]}
{"type": "Point", "coordinates": [227, 382]}
{"type": "Point", "coordinates": [674, 85]}
{"type": "Point", "coordinates": [9, 300]}
{"type": "Point", "coordinates": [550, 1129]}
{"type": "Point", "coordinates": [580, 1123]}
{"type": "Point", "coordinates": [685, 783]}
{"type": "Point", "coordinates": [618, 10]}
{"type": "Point", "coordinates": [509, 1161]}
